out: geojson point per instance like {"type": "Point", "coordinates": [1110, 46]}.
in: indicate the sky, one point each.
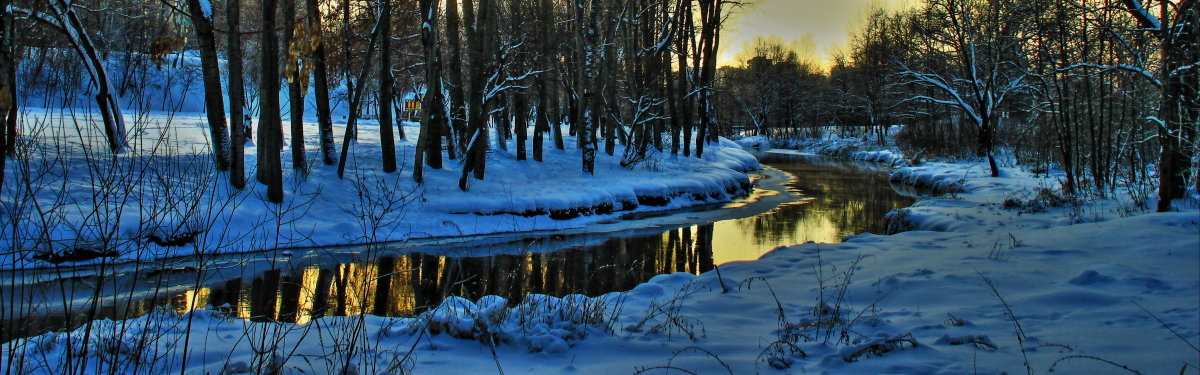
{"type": "Point", "coordinates": [828, 22]}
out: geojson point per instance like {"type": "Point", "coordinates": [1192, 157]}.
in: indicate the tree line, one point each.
{"type": "Point", "coordinates": [637, 73]}
{"type": "Point", "coordinates": [1099, 89]}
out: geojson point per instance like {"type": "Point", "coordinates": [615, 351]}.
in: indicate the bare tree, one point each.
{"type": "Point", "coordinates": [297, 80]}
{"type": "Point", "coordinates": [985, 41]}
{"type": "Point", "coordinates": [201, 15]}
{"type": "Point", "coordinates": [62, 18]}
{"type": "Point", "coordinates": [429, 145]}
{"type": "Point", "coordinates": [454, 79]}
{"type": "Point", "coordinates": [545, 61]}
{"type": "Point", "coordinates": [1178, 30]}
{"type": "Point", "coordinates": [586, 16]}
{"type": "Point", "coordinates": [386, 135]}
{"type": "Point", "coordinates": [519, 103]}
{"type": "Point", "coordinates": [237, 93]}
{"type": "Point", "coordinates": [709, 43]}
{"type": "Point", "coordinates": [481, 41]}
{"type": "Point", "coordinates": [356, 95]}
{"type": "Point", "coordinates": [270, 134]}
{"type": "Point", "coordinates": [321, 85]}
{"type": "Point", "coordinates": [9, 58]}
{"type": "Point", "coordinates": [684, 83]}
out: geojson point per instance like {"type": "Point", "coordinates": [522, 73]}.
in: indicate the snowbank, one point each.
{"type": "Point", "coordinates": [164, 199]}
{"type": "Point", "coordinates": [939, 178]}
{"type": "Point", "coordinates": [831, 145]}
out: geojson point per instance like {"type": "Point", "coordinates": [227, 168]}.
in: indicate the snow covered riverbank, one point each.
{"type": "Point", "coordinates": [997, 278]}
{"type": "Point", "coordinates": [165, 187]}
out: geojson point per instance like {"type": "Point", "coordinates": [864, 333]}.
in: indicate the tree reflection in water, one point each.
{"type": "Point", "coordinates": [404, 285]}
{"type": "Point", "coordinates": [840, 198]}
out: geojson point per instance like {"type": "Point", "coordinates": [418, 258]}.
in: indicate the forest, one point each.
{"type": "Point", "coordinates": [1104, 90]}
{"type": "Point", "coordinates": [592, 186]}
{"type": "Point", "coordinates": [631, 73]}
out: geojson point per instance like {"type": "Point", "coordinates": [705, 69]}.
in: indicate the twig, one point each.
{"type": "Point", "coordinates": [1013, 317]}
{"type": "Point", "coordinates": [1164, 324]}
{"type": "Point", "coordinates": [1094, 358]}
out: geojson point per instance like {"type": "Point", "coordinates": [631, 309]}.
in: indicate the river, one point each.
{"type": "Point", "coordinates": [798, 198]}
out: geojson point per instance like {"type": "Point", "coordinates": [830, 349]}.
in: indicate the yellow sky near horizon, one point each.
{"type": "Point", "coordinates": [828, 22]}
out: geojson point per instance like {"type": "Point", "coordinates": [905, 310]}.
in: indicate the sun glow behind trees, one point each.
{"type": "Point", "coordinates": [828, 24]}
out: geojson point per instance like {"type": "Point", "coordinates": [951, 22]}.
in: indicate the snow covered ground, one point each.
{"type": "Point", "coordinates": [165, 186]}
{"type": "Point", "coordinates": [1001, 277]}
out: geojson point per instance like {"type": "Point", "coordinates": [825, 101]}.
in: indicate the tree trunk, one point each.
{"type": "Point", "coordinates": [429, 144]}
{"type": "Point", "coordinates": [481, 33]}
{"type": "Point", "coordinates": [321, 87]}
{"type": "Point", "coordinates": [270, 125]}
{"type": "Point", "coordinates": [106, 100]}
{"type": "Point", "coordinates": [296, 85]}
{"type": "Point", "coordinates": [209, 68]}
{"type": "Point", "coordinates": [521, 123]}
{"type": "Point", "coordinates": [541, 121]}
{"type": "Point", "coordinates": [9, 58]}
{"type": "Point", "coordinates": [503, 119]}
{"type": "Point", "coordinates": [673, 107]}
{"type": "Point", "coordinates": [590, 105]}
{"type": "Point", "coordinates": [710, 24]}
{"type": "Point", "coordinates": [687, 100]}
{"type": "Point", "coordinates": [386, 138]}
{"type": "Point", "coordinates": [1180, 111]}
{"type": "Point", "coordinates": [355, 100]}
{"type": "Point", "coordinates": [555, 112]}
{"type": "Point", "coordinates": [986, 142]}
{"type": "Point", "coordinates": [458, 112]}
{"type": "Point", "coordinates": [237, 100]}
{"type": "Point", "coordinates": [347, 58]}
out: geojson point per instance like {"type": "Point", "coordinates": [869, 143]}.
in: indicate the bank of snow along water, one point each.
{"type": "Point", "coordinates": [162, 198]}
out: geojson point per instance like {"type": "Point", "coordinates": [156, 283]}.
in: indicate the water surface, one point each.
{"type": "Point", "coordinates": [800, 198]}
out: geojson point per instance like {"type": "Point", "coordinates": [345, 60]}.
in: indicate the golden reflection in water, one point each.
{"type": "Point", "coordinates": [308, 290]}
{"type": "Point", "coordinates": [191, 300]}
{"type": "Point", "coordinates": [840, 199]}
{"type": "Point", "coordinates": [404, 285]}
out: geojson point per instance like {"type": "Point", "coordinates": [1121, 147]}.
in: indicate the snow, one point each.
{"type": "Point", "coordinates": [831, 144]}
{"type": "Point", "coordinates": [936, 178]}
{"type": "Point", "coordinates": [978, 284]}
{"type": "Point", "coordinates": [169, 163]}
{"type": "Point", "coordinates": [1142, 14]}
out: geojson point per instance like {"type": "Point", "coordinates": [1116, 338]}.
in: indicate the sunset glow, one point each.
{"type": "Point", "coordinates": [829, 23]}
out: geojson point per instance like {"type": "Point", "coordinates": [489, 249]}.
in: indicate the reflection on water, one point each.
{"type": "Point", "coordinates": [403, 285]}
{"type": "Point", "coordinates": [838, 198]}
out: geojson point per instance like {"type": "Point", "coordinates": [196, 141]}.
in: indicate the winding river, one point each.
{"type": "Point", "coordinates": [798, 198]}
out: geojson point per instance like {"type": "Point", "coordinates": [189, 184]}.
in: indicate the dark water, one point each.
{"type": "Point", "coordinates": [816, 199]}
